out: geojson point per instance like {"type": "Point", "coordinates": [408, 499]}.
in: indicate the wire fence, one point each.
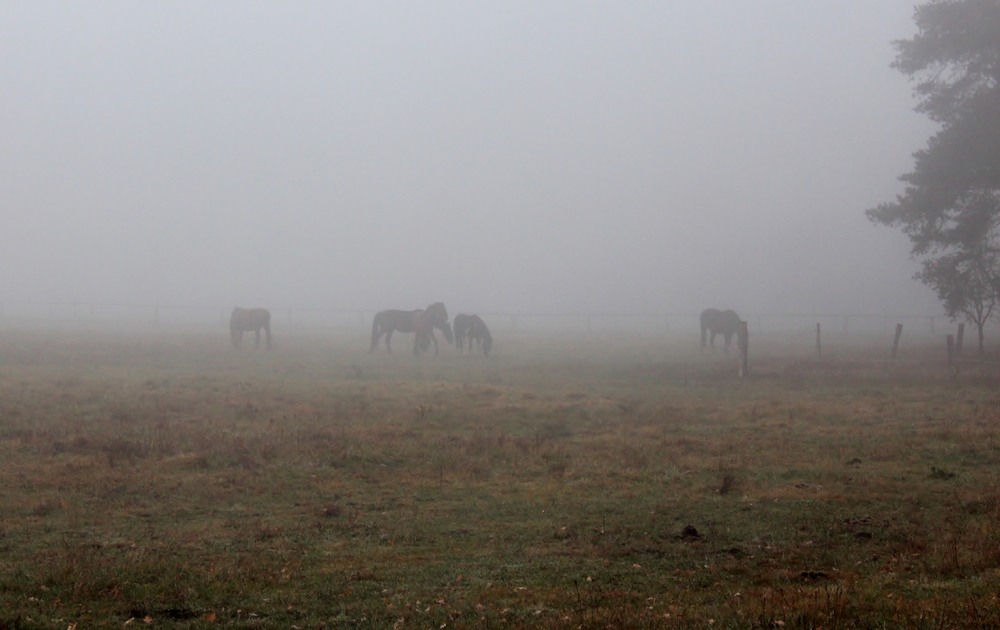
{"type": "Point", "coordinates": [41, 314]}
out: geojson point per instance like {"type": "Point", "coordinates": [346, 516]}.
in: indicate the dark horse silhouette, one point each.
{"type": "Point", "coordinates": [421, 322]}
{"type": "Point", "coordinates": [480, 333]}
{"type": "Point", "coordinates": [473, 328]}
{"type": "Point", "coordinates": [249, 319]}
{"type": "Point", "coordinates": [424, 323]}
{"type": "Point", "coordinates": [718, 322]}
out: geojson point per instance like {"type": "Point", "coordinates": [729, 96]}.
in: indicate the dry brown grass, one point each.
{"type": "Point", "coordinates": [164, 475]}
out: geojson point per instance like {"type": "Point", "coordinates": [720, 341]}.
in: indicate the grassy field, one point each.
{"type": "Point", "coordinates": [161, 479]}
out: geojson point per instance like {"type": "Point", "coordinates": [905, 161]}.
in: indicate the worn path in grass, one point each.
{"type": "Point", "coordinates": [566, 481]}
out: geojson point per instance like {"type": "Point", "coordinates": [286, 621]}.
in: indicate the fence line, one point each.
{"type": "Point", "coordinates": [300, 317]}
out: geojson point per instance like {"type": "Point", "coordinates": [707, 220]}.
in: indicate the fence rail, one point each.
{"type": "Point", "coordinates": [82, 312]}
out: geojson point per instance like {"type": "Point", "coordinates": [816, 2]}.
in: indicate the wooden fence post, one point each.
{"type": "Point", "coordinates": [951, 350]}
{"type": "Point", "coordinates": [819, 347]}
{"type": "Point", "coordinates": [958, 341]}
{"type": "Point", "coordinates": [744, 343]}
{"type": "Point", "coordinates": [895, 341]}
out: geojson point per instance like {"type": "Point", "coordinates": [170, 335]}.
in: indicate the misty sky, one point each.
{"type": "Point", "coordinates": [535, 156]}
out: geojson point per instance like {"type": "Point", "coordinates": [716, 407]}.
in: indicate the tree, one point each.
{"type": "Point", "coordinates": [967, 284]}
{"type": "Point", "coordinates": [949, 208]}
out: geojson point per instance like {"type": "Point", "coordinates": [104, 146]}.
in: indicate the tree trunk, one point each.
{"type": "Point", "coordinates": [980, 326]}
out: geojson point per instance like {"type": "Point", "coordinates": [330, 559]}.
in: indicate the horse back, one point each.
{"type": "Point", "coordinates": [394, 319]}
{"type": "Point", "coordinates": [730, 320]}
{"type": "Point", "coordinates": [709, 316]}
{"type": "Point", "coordinates": [248, 319]}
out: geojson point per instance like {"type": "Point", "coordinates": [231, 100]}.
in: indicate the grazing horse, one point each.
{"type": "Point", "coordinates": [249, 319]}
{"type": "Point", "coordinates": [422, 322]}
{"type": "Point", "coordinates": [480, 333]}
{"type": "Point", "coordinates": [461, 325]}
{"type": "Point", "coordinates": [717, 322]}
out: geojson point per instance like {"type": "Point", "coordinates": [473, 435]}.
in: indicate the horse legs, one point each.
{"type": "Point", "coordinates": [388, 338]}
{"type": "Point", "coordinates": [729, 340]}
{"type": "Point", "coordinates": [256, 345]}
{"type": "Point", "coordinates": [424, 339]}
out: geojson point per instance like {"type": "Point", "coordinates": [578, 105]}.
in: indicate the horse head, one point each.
{"type": "Point", "coordinates": [445, 329]}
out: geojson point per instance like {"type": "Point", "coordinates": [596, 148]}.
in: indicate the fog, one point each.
{"type": "Point", "coordinates": [518, 156]}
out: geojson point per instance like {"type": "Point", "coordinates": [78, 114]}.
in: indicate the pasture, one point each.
{"type": "Point", "coordinates": [153, 478]}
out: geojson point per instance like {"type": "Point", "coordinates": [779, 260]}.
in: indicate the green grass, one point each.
{"type": "Point", "coordinates": [568, 481]}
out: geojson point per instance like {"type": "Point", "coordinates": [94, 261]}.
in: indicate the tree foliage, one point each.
{"type": "Point", "coordinates": [955, 56]}
{"type": "Point", "coordinates": [950, 208]}
{"type": "Point", "coordinates": [967, 283]}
